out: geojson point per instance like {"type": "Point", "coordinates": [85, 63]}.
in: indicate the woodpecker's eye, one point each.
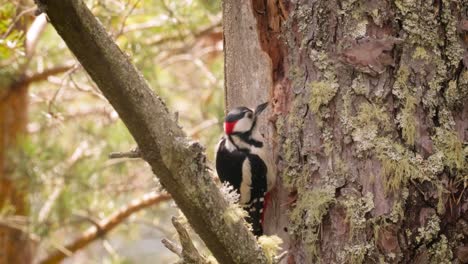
{"type": "Point", "coordinates": [249, 115]}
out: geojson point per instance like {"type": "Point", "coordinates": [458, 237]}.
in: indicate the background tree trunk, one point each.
{"type": "Point", "coordinates": [14, 243]}
{"type": "Point", "coordinates": [369, 123]}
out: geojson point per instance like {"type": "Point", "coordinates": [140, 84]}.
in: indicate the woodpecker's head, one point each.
{"type": "Point", "coordinates": [242, 120]}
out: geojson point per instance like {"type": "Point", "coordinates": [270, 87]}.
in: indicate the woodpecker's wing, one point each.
{"type": "Point", "coordinates": [257, 192]}
{"type": "Point", "coordinates": [229, 164]}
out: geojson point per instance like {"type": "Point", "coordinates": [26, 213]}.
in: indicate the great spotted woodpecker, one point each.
{"type": "Point", "coordinates": [243, 160]}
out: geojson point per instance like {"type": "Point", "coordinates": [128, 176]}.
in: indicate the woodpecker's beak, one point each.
{"type": "Point", "coordinates": [259, 109]}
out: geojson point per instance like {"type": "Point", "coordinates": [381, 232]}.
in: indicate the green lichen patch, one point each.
{"type": "Point", "coordinates": [430, 231]}
{"type": "Point", "coordinates": [321, 94]}
{"type": "Point", "coordinates": [371, 120]}
{"type": "Point", "coordinates": [356, 254]}
{"type": "Point", "coordinates": [420, 28]}
{"type": "Point", "coordinates": [306, 217]}
{"type": "Point", "coordinates": [447, 142]}
{"type": "Point", "coordinates": [457, 94]}
{"type": "Point", "coordinates": [408, 121]}
{"type": "Point", "coordinates": [420, 53]}
{"type": "Point", "coordinates": [323, 90]}
{"type": "Point", "coordinates": [406, 94]}
{"type": "Point", "coordinates": [356, 210]}
{"type": "Point", "coordinates": [441, 252]}
{"type": "Point", "coordinates": [453, 49]}
{"type": "Point", "coordinates": [398, 165]}
{"type": "Point", "coordinates": [441, 194]}
{"type": "Point", "coordinates": [398, 212]}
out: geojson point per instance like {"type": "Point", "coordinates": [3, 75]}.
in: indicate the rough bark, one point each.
{"type": "Point", "coordinates": [250, 71]}
{"type": "Point", "coordinates": [179, 164]}
{"type": "Point", "coordinates": [371, 118]}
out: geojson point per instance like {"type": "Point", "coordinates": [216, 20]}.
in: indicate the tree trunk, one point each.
{"type": "Point", "coordinates": [369, 123]}
{"type": "Point", "coordinates": [14, 244]}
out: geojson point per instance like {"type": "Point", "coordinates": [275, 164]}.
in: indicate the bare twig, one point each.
{"type": "Point", "coordinates": [158, 40]}
{"type": "Point", "coordinates": [124, 20]}
{"type": "Point", "coordinates": [43, 75]}
{"type": "Point", "coordinates": [187, 252]}
{"type": "Point", "coordinates": [281, 256]}
{"type": "Point", "coordinates": [172, 247]}
{"type": "Point", "coordinates": [132, 154]}
{"type": "Point", "coordinates": [202, 126]}
{"type": "Point", "coordinates": [54, 97]}
{"type": "Point", "coordinates": [106, 225]}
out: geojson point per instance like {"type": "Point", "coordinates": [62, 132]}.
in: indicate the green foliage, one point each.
{"type": "Point", "coordinates": [72, 129]}
{"type": "Point", "coordinates": [11, 40]}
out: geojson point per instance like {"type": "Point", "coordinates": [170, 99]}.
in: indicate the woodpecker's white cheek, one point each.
{"type": "Point", "coordinates": [243, 125]}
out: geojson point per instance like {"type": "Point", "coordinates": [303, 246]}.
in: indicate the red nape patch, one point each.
{"type": "Point", "coordinates": [229, 127]}
{"type": "Point", "coordinates": [266, 201]}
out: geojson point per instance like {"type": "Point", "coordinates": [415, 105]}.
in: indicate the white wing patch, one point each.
{"type": "Point", "coordinates": [246, 182]}
{"type": "Point", "coordinates": [266, 155]}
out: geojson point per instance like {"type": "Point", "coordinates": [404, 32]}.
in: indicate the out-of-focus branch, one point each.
{"type": "Point", "coordinates": [158, 40]}
{"type": "Point", "coordinates": [106, 225]}
{"type": "Point", "coordinates": [132, 154]}
{"type": "Point", "coordinates": [124, 20]}
{"type": "Point", "coordinates": [34, 33]}
{"type": "Point", "coordinates": [79, 153]}
{"type": "Point", "coordinates": [43, 75]}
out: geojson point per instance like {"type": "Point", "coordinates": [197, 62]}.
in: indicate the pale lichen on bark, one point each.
{"type": "Point", "coordinates": [399, 134]}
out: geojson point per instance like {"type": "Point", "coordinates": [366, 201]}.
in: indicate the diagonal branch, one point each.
{"type": "Point", "coordinates": [179, 164]}
{"type": "Point", "coordinates": [105, 225]}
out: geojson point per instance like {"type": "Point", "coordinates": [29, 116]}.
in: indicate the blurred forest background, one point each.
{"type": "Point", "coordinates": [57, 130]}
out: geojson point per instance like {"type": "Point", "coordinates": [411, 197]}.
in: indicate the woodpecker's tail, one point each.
{"type": "Point", "coordinates": [255, 218]}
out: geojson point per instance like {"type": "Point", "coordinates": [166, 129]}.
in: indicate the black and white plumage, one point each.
{"type": "Point", "coordinates": [242, 160]}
